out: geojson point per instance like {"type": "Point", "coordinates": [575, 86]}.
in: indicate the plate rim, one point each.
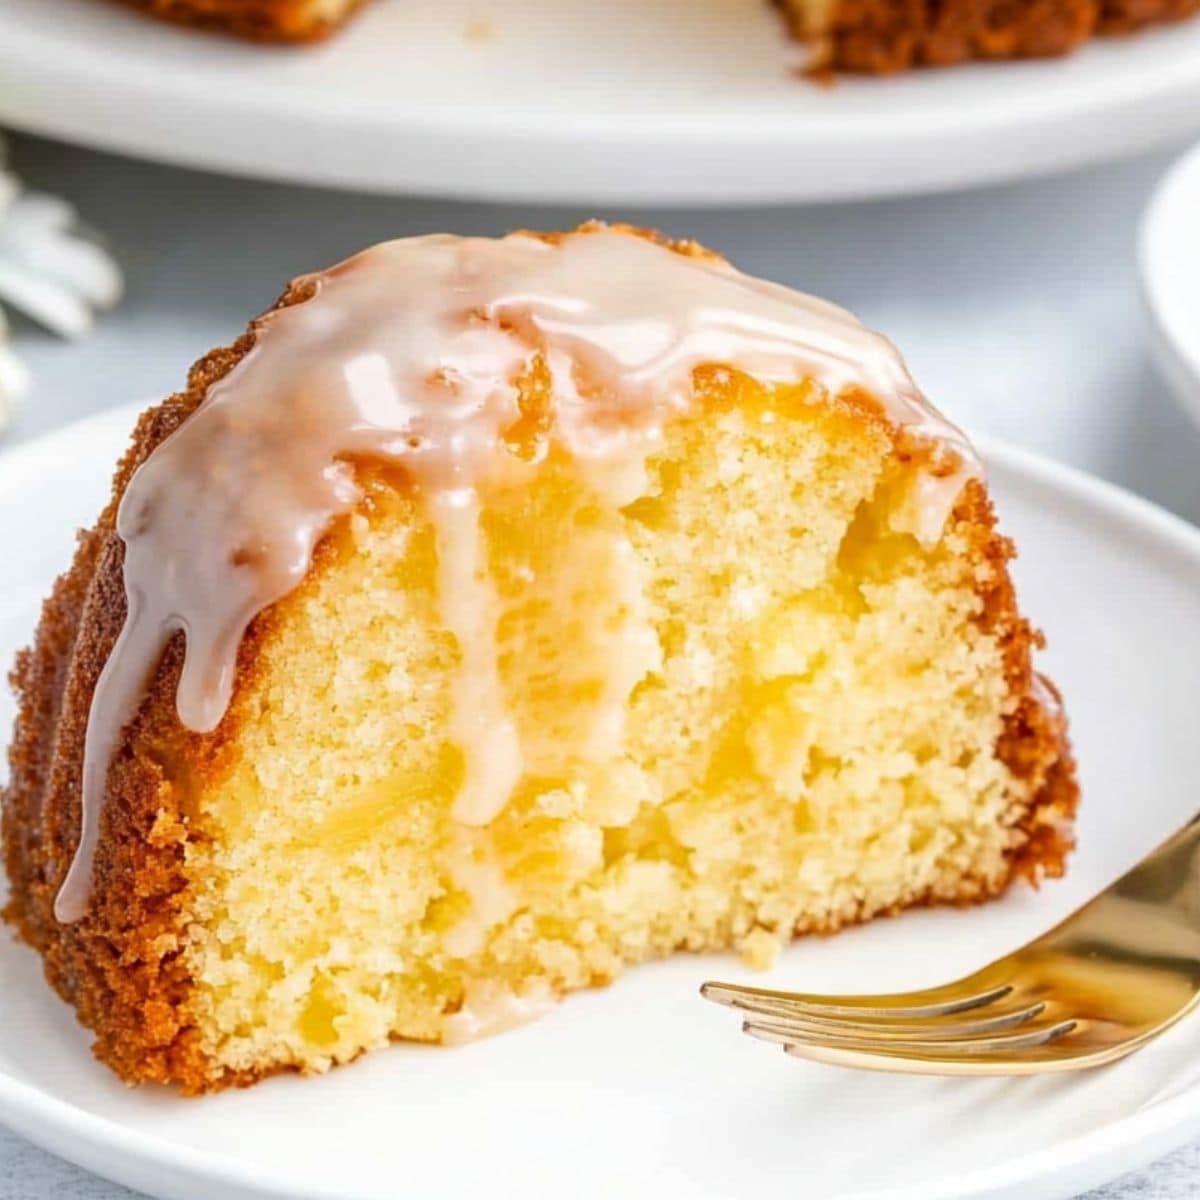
{"type": "Point", "coordinates": [1176, 346]}
{"type": "Point", "coordinates": [91, 1141]}
{"type": "Point", "coordinates": [571, 156]}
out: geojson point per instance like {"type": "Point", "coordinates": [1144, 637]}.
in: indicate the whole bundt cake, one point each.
{"type": "Point", "coordinates": [496, 613]}
{"type": "Point", "coordinates": [876, 37]}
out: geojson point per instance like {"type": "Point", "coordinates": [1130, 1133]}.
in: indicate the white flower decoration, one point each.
{"type": "Point", "coordinates": [50, 269]}
{"type": "Point", "coordinates": [14, 379]}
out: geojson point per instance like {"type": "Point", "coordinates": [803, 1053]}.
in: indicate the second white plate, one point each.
{"type": "Point", "coordinates": [643, 1086]}
{"type": "Point", "coordinates": [686, 102]}
{"type": "Point", "coordinates": [1170, 265]}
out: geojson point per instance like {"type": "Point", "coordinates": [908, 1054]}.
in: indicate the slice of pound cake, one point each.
{"type": "Point", "coordinates": [496, 613]}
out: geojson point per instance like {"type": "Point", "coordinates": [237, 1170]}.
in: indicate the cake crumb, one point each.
{"type": "Point", "coordinates": [760, 950]}
{"type": "Point", "coordinates": [480, 29]}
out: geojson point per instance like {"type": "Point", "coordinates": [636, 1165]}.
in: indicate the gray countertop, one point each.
{"type": "Point", "coordinates": [1017, 308]}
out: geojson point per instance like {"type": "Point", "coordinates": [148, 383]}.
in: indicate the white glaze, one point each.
{"type": "Point", "coordinates": [480, 723]}
{"type": "Point", "coordinates": [478, 874]}
{"type": "Point", "coordinates": [407, 354]}
{"type": "Point", "coordinates": [490, 1007]}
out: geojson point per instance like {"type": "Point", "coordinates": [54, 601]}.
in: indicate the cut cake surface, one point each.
{"type": "Point", "coordinates": [754, 698]}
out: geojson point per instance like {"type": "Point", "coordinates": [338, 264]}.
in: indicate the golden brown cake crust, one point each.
{"type": "Point", "coordinates": [258, 20]}
{"type": "Point", "coordinates": [121, 966]}
{"type": "Point", "coordinates": [879, 37]}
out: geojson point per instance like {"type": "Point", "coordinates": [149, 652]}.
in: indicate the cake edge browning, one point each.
{"type": "Point", "coordinates": [883, 37]}
{"type": "Point", "coordinates": [122, 966]}
{"type": "Point", "coordinates": [279, 21]}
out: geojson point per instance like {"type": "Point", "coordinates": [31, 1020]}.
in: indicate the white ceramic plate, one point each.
{"type": "Point", "coordinates": [644, 1086]}
{"type": "Point", "coordinates": [1170, 263]}
{"type": "Point", "coordinates": [676, 101]}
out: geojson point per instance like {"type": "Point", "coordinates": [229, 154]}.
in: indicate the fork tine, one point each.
{"type": "Point", "coordinates": [837, 1012]}
{"type": "Point", "coordinates": [933, 1002]}
{"type": "Point", "coordinates": [971, 1045]}
{"type": "Point", "coordinates": [950, 1025]}
{"type": "Point", "coordinates": [1032, 1060]}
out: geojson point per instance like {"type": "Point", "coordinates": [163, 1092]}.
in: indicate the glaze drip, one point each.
{"type": "Point", "coordinates": [407, 355]}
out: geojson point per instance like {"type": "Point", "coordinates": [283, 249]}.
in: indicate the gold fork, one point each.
{"type": "Point", "coordinates": [1108, 979]}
